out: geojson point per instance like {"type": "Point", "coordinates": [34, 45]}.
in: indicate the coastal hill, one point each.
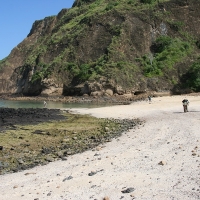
{"type": "Point", "coordinates": [106, 48]}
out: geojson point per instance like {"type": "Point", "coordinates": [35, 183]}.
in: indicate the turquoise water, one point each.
{"type": "Point", "coordinates": [50, 104]}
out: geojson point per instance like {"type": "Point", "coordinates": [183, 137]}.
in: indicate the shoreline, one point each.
{"type": "Point", "coordinates": [116, 99]}
{"type": "Point", "coordinates": [86, 98]}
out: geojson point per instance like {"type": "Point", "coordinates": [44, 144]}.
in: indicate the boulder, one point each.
{"type": "Point", "coordinates": [109, 92]}
{"type": "Point", "coordinates": [96, 93]}
{"type": "Point", "coordinates": [128, 95]}
{"type": "Point", "coordinates": [49, 87]}
{"type": "Point", "coordinates": [119, 90]}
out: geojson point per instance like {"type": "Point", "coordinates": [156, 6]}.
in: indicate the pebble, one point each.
{"type": "Point", "coordinates": [92, 173]}
{"type": "Point", "coordinates": [128, 190]}
{"type": "Point", "coordinates": [162, 163]}
{"type": "Point", "coordinates": [68, 178]}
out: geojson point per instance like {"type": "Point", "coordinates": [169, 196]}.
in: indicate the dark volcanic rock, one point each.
{"type": "Point", "coordinates": [92, 173]}
{"type": "Point", "coordinates": [128, 190]}
{"type": "Point", "coordinates": [68, 178]}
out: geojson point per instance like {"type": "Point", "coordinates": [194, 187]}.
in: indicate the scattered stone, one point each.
{"type": "Point", "coordinates": [26, 174]}
{"type": "Point", "coordinates": [63, 158]}
{"type": "Point", "coordinates": [128, 190]}
{"type": "Point", "coordinates": [69, 153]}
{"type": "Point", "coordinates": [66, 140]}
{"type": "Point", "coordinates": [49, 159]}
{"type": "Point", "coordinates": [92, 173]}
{"type": "Point", "coordinates": [45, 154]}
{"type": "Point", "coordinates": [38, 132]}
{"type": "Point", "coordinates": [60, 154]}
{"type": "Point", "coordinates": [93, 186]}
{"type": "Point", "coordinates": [16, 186]}
{"type": "Point", "coordinates": [46, 150]}
{"type": "Point", "coordinates": [20, 161]}
{"type": "Point", "coordinates": [68, 178]}
{"type": "Point", "coordinates": [1, 164]}
{"type": "Point", "coordinates": [162, 163]}
{"type": "Point", "coordinates": [98, 148]}
{"type": "Point", "coordinates": [106, 198]}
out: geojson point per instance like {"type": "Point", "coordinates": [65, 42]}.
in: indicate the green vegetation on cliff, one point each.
{"type": "Point", "coordinates": [129, 41]}
{"type": "Point", "coordinates": [193, 76]}
{"type": "Point", "coordinates": [167, 52]}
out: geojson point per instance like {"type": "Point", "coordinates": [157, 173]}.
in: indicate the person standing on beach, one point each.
{"type": "Point", "coordinates": [45, 104]}
{"type": "Point", "coordinates": [185, 105]}
{"type": "Point", "coordinates": [149, 97]}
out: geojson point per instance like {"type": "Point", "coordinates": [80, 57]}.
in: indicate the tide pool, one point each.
{"type": "Point", "coordinates": [50, 104]}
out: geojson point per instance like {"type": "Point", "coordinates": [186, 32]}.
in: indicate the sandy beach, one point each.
{"type": "Point", "coordinates": [159, 159]}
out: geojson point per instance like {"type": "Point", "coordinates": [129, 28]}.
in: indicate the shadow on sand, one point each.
{"type": "Point", "coordinates": [188, 111]}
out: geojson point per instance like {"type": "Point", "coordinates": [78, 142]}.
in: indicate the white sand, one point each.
{"type": "Point", "coordinates": [131, 161]}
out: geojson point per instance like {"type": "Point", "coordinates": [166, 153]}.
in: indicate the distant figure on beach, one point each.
{"type": "Point", "coordinates": [185, 105]}
{"type": "Point", "coordinates": [149, 98]}
{"type": "Point", "coordinates": [45, 104]}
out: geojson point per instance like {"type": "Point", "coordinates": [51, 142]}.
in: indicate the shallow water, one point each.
{"type": "Point", "coordinates": [50, 104]}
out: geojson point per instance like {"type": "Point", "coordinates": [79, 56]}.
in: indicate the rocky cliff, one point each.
{"type": "Point", "coordinates": [106, 47]}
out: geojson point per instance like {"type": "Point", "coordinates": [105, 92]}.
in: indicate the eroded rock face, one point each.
{"type": "Point", "coordinates": [101, 87]}
{"type": "Point", "coordinates": [51, 88]}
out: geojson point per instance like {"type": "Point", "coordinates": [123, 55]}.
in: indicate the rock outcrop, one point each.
{"type": "Point", "coordinates": [108, 51]}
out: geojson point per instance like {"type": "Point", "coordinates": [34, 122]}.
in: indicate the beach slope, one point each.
{"type": "Point", "coordinates": [159, 159]}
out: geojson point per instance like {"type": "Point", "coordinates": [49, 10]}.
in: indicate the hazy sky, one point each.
{"type": "Point", "coordinates": [17, 17]}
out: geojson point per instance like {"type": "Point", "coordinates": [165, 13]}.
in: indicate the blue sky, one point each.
{"type": "Point", "coordinates": [17, 17]}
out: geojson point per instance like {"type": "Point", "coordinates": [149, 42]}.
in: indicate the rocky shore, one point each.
{"type": "Point", "coordinates": [117, 99]}
{"type": "Point", "coordinates": [31, 137]}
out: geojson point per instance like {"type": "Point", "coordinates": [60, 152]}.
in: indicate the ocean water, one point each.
{"type": "Point", "coordinates": [50, 104]}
